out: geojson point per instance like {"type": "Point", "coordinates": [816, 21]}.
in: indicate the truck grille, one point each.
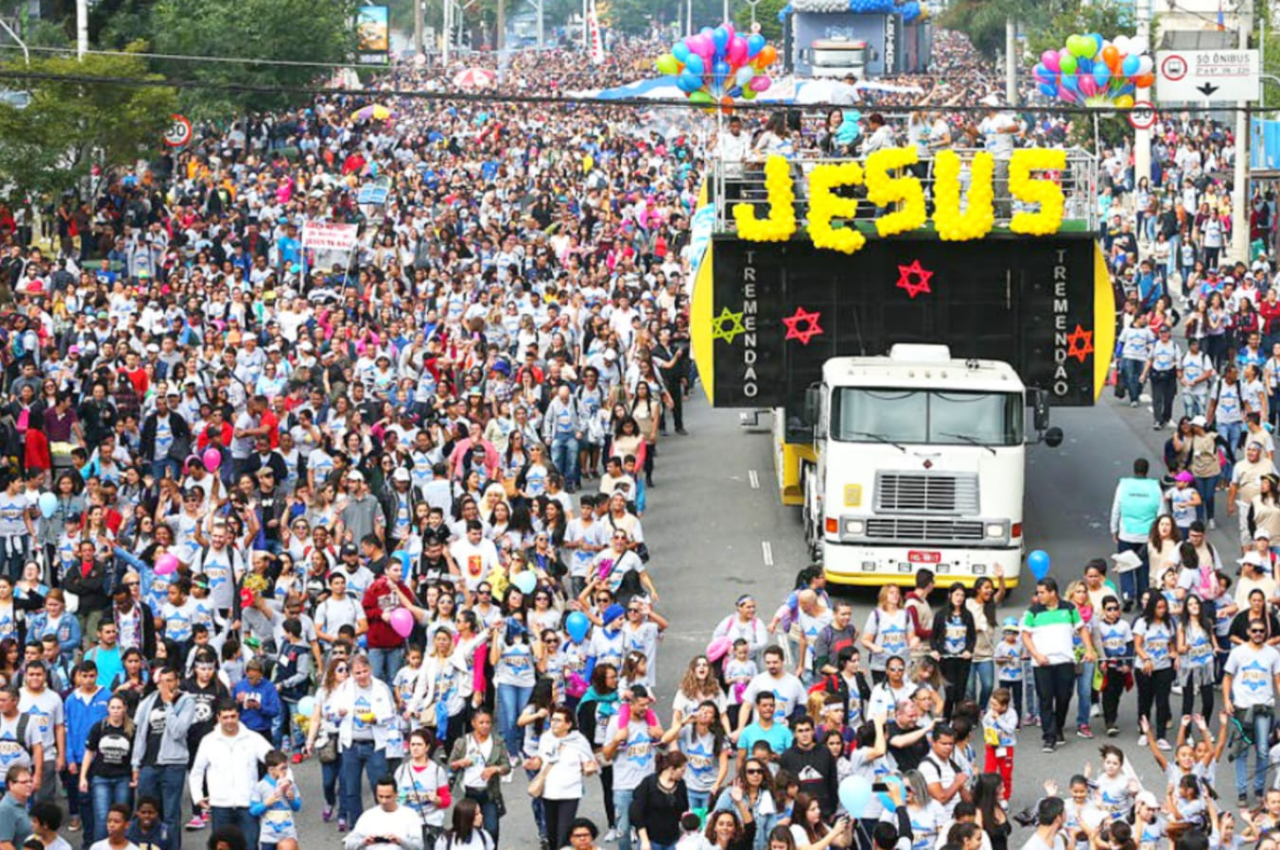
{"type": "Point", "coordinates": [924, 530]}
{"type": "Point", "coordinates": [947, 493]}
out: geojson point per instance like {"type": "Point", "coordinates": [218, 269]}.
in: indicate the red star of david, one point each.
{"type": "Point", "coordinates": [1080, 343]}
{"type": "Point", "coordinates": [812, 328]}
{"type": "Point", "coordinates": [914, 279]}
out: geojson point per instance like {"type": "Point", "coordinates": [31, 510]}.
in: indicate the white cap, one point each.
{"type": "Point", "coordinates": [401, 474]}
{"type": "Point", "coordinates": [1199, 421]}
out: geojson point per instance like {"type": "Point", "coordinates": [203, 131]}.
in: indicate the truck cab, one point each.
{"type": "Point", "coordinates": [918, 461]}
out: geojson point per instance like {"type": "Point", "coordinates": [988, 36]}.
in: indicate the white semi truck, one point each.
{"type": "Point", "coordinates": [918, 461]}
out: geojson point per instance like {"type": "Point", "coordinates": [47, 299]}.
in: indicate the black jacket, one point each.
{"type": "Point", "coordinates": [91, 588]}
{"type": "Point", "coordinates": [817, 773]}
{"type": "Point", "coordinates": [181, 446]}
{"type": "Point", "coordinates": [941, 619]}
{"type": "Point", "coordinates": [658, 812]}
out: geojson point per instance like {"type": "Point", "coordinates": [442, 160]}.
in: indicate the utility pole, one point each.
{"type": "Point", "coordinates": [1011, 60]}
{"type": "Point", "coordinates": [500, 36]}
{"type": "Point", "coordinates": [448, 33]}
{"type": "Point", "coordinates": [82, 28]}
{"type": "Point", "coordinates": [1142, 138]}
{"type": "Point", "coordinates": [1240, 193]}
{"type": "Point", "coordinates": [725, 17]}
{"type": "Point", "coordinates": [419, 26]}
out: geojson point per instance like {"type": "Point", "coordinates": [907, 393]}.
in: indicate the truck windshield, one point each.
{"type": "Point", "coordinates": [938, 417]}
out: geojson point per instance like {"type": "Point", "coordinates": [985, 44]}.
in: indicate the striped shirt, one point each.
{"type": "Point", "coordinates": [1052, 630]}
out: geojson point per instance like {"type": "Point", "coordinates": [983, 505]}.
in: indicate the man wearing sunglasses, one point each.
{"type": "Point", "coordinates": [1250, 682]}
{"type": "Point", "coordinates": [1113, 637]}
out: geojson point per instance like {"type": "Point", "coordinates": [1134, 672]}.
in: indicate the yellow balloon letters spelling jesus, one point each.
{"type": "Point", "coordinates": [884, 188]}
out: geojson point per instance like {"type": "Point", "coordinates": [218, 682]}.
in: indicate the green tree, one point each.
{"type": "Point", "coordinates": [70, 126]}
{"type": "Point", "coordinates": [766, 15]}
{"type": "Point", "coordinates": [288, 30]}
{"type": "Point", "coordinates": [1105, 18]}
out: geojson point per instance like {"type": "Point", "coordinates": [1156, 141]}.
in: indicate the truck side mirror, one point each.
{"type": "Point", "coordinates": [1040, 403]}
{"type": "Point", "coordinates": [812, 400]}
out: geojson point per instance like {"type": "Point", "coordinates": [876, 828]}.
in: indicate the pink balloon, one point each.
{"type": "Point", "coordinates": [1088, 87]}
{"type": "Point", "coordinates": [1050, 59]}
{"type": "Point", "coordinates": [212, 459]}
{"type": "Point", "coordinates": [402, 622]}
{"type": "Point", "coordinates": [166, 564]}
{"type": "Point", "coordinates": [761, 83]}
{"type": "Point", "coordinates": [728, 27]}
{"type": "Point", "coordinates": [701, 45]}
{"type": "Point", "coordinates": [737, 51]}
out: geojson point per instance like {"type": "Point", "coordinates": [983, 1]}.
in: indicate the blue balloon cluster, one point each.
{"type": "Point", "coordinates": [910, 11]}
{"type": "Point", "coordinates": [870, 7]}
{"type": "Point", "coordinates": [783, 12]}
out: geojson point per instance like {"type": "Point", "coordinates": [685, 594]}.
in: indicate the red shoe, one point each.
{"type": "Point", "coordinates": [297, 758]}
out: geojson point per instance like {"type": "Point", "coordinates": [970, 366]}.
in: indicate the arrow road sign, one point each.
{"type": "Point", "coordinates": [1208, 76]}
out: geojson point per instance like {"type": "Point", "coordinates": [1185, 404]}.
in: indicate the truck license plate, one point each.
{"type": "Point", "coordinates": [924, 557]}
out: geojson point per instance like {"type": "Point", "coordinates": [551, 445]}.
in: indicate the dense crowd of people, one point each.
{"type": "Point", "coordinates": [381, 519]}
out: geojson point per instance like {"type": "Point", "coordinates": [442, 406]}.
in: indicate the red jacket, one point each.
{"type": "Point", "coordinates": [378, 598]}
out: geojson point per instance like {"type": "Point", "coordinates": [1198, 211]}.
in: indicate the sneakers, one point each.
{"type": "Point", "coordinates": [611, 835]}
{"type": "Point", "coordinates": [198, 821]}
{"type": "Point", "coordinates": [327, 814]}
{"type": "Point", "coordinates": [1213, 524]}
{"type": "Point", "coordinates": [1243, 801]}
{"type": "Point", "coordinates": [1084, 731]}
{"type": "Point", "coordinates": [74, 825]}
{"type": "Point", "coordinates": [1142, 740]}
{"type": "Point", "coordinates": [1048, 747]}
{"type": "Point", "coordinates": [342, 824]}
{"type": "Point", "coordinates": [1162, 744]}
{"type": "Point", "coordinates": [1096, 710]}
{"type": "Point", "coordinates": [1112, 731]}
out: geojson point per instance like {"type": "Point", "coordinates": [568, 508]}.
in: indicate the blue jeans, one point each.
{"type": "Point", "coordinates": [13, 556]}
{"type": "Point", "coordinates": [1084, 691]}
{"type": "Point", "coordinates": [1205, 487]}
{"type": "Point", "coordinates": [511, 701]}
{"type": "Point", "coordinates": [1230, 432]}
{"type": "Point", "coordinates": [564, 455]}
{"type": "Point", "coordinates": [386, 663]}
{"type": "Point", "coordinates": [699, 799]}
{"type": "Point", "coordinates": [236, 817]}
{"type": "Point", "coordinates": [167, 783]}
{"type": "Point", "coordinates": [361, 755]}
{"type": "Point", "coordinates": [1131, 377]}
{"type": "Point", "coordinates": [158, 468]}
{"type": "Point", "coordinates": [622, 803]}
{"type": "Point", "coordinates": [1194, 404]}
{"type": "Point", "coordinates": [1261, 742]}
{"type": "Point", "coordinates": [106, 793]}
{"type": "Point", "coordinates": [329, 775]}
{"type": "Point", "coordinates": [1133, 582]}
{"type": "Point", "coordinates": [982, 681]}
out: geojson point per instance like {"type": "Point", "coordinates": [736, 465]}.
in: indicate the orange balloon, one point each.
{"type": "Point", "coordinates": [766, 56]}
{"type": "Point", "coordinates": [1111, 56]}
{"type": "Point", "coordinates": [1144, 81]}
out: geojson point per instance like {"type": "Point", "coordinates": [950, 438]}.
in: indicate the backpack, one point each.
{"type": "Point", "coordinates": [287, 667]}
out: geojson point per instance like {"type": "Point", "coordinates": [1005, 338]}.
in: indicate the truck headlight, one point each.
{"type": "Point", "coordinates": [854, 526]}
{"type": "Point", "coordinates": [995, 529]}
{"type": "Point", "coordinates": [979, 569]}
{"type": "Point", "coordinates": [869, 566]}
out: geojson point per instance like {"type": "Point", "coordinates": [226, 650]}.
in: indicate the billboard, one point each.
{"type": "Point", "coordinates": [373, 34]}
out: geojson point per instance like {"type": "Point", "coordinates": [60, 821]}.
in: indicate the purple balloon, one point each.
{"type": "Point", "coordinates": [1049, 59]}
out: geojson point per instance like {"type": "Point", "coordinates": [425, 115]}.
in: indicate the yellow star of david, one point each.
{"type": "Point", "coordinates": [728, 334]}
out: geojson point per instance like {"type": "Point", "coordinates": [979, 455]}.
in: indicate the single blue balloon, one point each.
{"type": "Point", "coordinates": [855, 792]}
{"type": "Point", "coordinates": [681, 51]}
{"type": "Point", "coordinates": [688, 82]}
{"type": "Point", "coordinates": [694, 64]}
{"type": "Point", "coordinates": [577, 625]}
{"type": "Point", "coordinates": [735, 92]}
{"type": "Point", "coordinates": [755, 43]}
{"type": "Point", "coordinates": [1084, 66]}
{"type": "Point", "coordinates": [1070, 83]}
{"type": "Point", "coordinates": [1101, 74]}
{"type": "Point", "coordinates": [1048, 90]}
{"type": "Point", "coordinates": [1038, 561]}
{"type": "Point", "coordinates": [1130, 65]}
{"type": "Point", "coordinates": [1128, 88]}
{"type": "Point", "coordinates": [720, 38]}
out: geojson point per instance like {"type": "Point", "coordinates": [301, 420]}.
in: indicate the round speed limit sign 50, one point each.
{"type": "Point", "coordinates": [1142, 115]}
{"type": "Point", "coordinates": [179, 132]}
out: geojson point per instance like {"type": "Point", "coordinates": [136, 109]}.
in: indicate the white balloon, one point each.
{"type": "Point", "coordinates": [1138, 45]}
{"type": "Point", "coordinates": [1122, 43]}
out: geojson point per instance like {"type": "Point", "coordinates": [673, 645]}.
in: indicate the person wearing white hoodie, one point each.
{"type": "Point", "coordinates": [391, 826]}
{"type": "Point", "coordinates": [231, 753]}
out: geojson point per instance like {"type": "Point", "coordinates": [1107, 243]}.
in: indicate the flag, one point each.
{"type": "Point", "coordinates": [593, 33]}
{"type": "Point", "coordinates": [1222, 22]}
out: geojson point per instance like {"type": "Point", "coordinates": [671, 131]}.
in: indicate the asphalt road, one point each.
{"type": "Point", "coordinates": [716, 529]}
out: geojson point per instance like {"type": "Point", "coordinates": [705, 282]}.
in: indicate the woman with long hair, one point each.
{"type": "Point", "coordinates": [702, 738]}
{"type": "Point", "coordinates": [1164, 541]}
{"type": "Point", "coordinates": [438, 692]}
{"type": "Point", "coordinates": [1078, 595]}
{"type": "Point", "coordinates": [467, 830]}
{"type": "Point", "coordinates": [954, 635]}
{"type": "Point", "coordinates": [1197, 648]}
{"type": "Point", "coordinates": [106, 773]}
{"type": "Point", "coordinates": [987, 597]}
{"type": "Point", "coordinates": [735, 826]}
{"type": "Point", "coordinates": [535, 719]}
{"type": "Point", "coordinates": [927, 815]}
{"type": "Point", "coordinates": [810, 831]}
{"type": "Point", "coordinates": [888, 632]}
{"type": "Point", "coordinates": [323, 728]}
{"type": "Point", "coordinates": [752, 798]}
{"type": "Point", "coordinates": [697, 685]}
{"type": "Point", "coordinates": [423, 786]}
{"type": "Point", "coordinates": [988, 796]}
{"type": "Point", "coordinates": [1154, 643]}
{"type": "Point", "coordinates": [598, 704]}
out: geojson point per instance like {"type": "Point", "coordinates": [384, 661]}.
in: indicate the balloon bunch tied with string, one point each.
{"type": "Point", "coordinates": [1094, 72]}
{"type": "Point", "coordinates": [717, 66]}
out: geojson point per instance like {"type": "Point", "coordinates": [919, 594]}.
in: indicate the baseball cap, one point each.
{"type": "Point", "coordinates": [612, 613]}
{"type": "Point", "coordinates": [349, 549]}
{"type": "Point", "coordinates": [1009, 624]}
{"type": "Point", "coordinates": [1199, 421]}
{"type": "Point", "coordinates": [401, 474]}
{"type": "Point", "coordinates": [353, 475]}
{"type": "Point", "coordinates": [1184, 476]}
{"type": "Point", "coordinates": [1256, 559]}
{"type": "Point", "coordinates": [1262, 534]}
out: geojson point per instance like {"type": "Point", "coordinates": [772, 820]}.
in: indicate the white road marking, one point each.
{"type": "Point", "coordinates": [767, 549]}
{"type": "Point", "coordinates": [754, 478]}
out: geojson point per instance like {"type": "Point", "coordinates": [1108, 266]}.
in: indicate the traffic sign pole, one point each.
{"type": "Point", "coordinates": [1240, 195]}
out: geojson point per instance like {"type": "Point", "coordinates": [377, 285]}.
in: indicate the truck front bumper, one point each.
{"type": "Point", "coordinates": [863, 565]}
